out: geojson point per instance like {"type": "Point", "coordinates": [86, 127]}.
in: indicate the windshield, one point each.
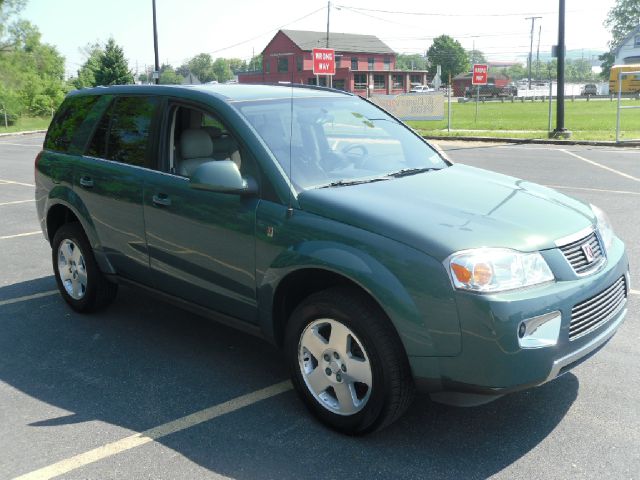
{"type": "Point", "coordinates": [337, 141]}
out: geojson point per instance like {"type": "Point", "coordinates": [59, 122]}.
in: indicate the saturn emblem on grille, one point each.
{"type": "Point", "coordinates": [588, 252]}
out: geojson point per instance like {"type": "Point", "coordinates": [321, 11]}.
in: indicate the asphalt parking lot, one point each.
{"type": "Point", "coordinates": [145, 390]}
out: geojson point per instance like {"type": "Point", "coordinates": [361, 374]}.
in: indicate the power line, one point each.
{"type": "Point", "coordinates": [430, 14]}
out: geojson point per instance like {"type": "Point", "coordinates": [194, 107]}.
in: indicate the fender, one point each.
{"type": "Point", "coordinates": [404, 308]}
{"type": "Point", "coordinates": [65, 196]}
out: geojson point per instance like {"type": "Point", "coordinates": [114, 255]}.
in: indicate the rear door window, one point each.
{"type": "Point", "coordinates": [123, 133]}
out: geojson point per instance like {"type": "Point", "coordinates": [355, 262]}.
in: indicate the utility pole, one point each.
{"type": "Point", "coordinates": [533, 22]}
{"type": "Point", "coordinates": [538, 54]}
{"type": "Point", "coordinates": [328, 13]}
{"type": "Point", "coordinates": [156, 74]}
{"type": "Point", "coordinates": [560, 131]}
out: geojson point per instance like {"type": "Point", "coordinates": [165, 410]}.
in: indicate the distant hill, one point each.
{"type": "Point", "coordinates": [574, 54]}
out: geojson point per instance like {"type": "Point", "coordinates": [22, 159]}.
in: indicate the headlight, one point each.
{"type": "Point", "coordinates": [604, 226]}
{"type": "Point", "coordinates": [497, 269]}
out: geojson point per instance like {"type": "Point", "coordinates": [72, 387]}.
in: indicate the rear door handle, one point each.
{"type": "Point", "coordinates": [86, 182]}
{"type": "Point", "coordinates": [161, 200]}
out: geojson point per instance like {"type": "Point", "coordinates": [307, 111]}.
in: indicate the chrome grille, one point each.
{"type": "Point", "coordinates": [595, 311]}
{"type": "Point", "coordinates": [577, 258]}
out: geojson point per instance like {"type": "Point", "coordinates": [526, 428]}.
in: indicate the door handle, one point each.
{"type": "Point", "coordinates": [86, 182]}
{"type": "Point", "coordinates": [161, 200]}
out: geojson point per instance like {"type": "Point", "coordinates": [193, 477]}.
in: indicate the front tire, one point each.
{"type": "Point", "coordinates": [79, 279]}
{"type": "Point", "coordinates": [347, 362]}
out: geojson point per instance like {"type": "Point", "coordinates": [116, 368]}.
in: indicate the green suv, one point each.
{"type": "Point", "coordinates": [318, 221]}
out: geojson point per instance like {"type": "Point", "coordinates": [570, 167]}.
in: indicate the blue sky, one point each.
{"type": "Point", "coordinates": [188, 27]}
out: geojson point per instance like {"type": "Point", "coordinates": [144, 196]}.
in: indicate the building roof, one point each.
{"type": "Point", "coordinates": [341, 42]}
{"type": "Point", "coordinates": [630, 35]}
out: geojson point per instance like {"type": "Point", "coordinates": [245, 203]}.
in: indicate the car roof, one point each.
{"type": "Point", "coordinates": [226, 92]}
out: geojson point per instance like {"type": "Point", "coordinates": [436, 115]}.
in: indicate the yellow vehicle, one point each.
{"type": "Point", "coordinates": [630, 83]}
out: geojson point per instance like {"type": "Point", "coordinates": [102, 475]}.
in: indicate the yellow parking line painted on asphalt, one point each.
{"type": "Point", "coordinates": [28, 297]}
{"type": "Point", "coordinates": [596, 164]}
{"type": "Point", "coordinates": [16, 202]}
{"type": "Point", "coordinates": [634, 292]}
{"type": "Point", "coordinates": [138, 439]}
{"type": "Point", "coordinates": [20, 235]}
{"type": "Point", "coordinates": [21, 144]}
{"type": "Point", "coordinates": [624, 192]}
{"type": "Point", "coordinates": [11, 182]}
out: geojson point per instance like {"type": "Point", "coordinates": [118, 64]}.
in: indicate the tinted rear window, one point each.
{"type": "Point", "coordinates": [123, 133]}
{"type": "Point", "coordinates": [70, 116]}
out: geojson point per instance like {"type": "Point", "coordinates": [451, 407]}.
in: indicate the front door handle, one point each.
{"type": "Point", "coordinates": [161, 200]}
{"type": "Point", "coordinates": [86, 182]}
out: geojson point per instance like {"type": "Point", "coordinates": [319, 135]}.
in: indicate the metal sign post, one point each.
{"type": "Point", "coordinates": [620, 107]}
{"type": "Point", "coordinates": [479, 77]}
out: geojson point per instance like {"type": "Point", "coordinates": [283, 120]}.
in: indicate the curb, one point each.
{"type": "Point", "coordinates": [537, 141]}
{"type": "Point", "coordinates": [29, 132]}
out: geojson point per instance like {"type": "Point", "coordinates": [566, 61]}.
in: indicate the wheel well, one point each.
{"type": "Point", "coordinates": [57, 216]}
{"type": "Point", "coordinates": [297, 286]}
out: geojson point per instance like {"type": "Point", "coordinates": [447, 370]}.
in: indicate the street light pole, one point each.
{"type": "Point", "coordinates": [155, 44]}
{"type": "Point", "coordinates": [560, 130]}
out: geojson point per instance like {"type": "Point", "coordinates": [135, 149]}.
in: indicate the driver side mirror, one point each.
{"type": "Point", "coordinates": [221, 176]}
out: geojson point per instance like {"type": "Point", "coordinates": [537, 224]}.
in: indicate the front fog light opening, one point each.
{"type": "Point", "coordinates": [539, 332]}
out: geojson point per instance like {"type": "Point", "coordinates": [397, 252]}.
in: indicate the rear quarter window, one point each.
{"type": "Point", "coordinates": [65, 124]}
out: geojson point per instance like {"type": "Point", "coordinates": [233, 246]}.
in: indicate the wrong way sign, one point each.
{"type": "Point", "coordinates": [480, 74]}
{"type": "Point", "coordinates": [324, 61]}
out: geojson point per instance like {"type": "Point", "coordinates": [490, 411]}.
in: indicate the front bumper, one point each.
{"type": "Point", "coordinates": [492, 361]}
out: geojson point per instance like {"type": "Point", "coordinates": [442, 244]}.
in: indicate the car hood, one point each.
{"type": "Point", "coordinates": [453, 209]}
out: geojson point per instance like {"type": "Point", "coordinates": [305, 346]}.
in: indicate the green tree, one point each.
{"type": "Point", "coordinates": [255, 64]}
{"type": "Point", "coordinates": [476, 56]}
{"type": "Point", "coordinates": [87, 73]}
{"type": "Point", "coordinates": [448, 53]}
{"type": "Point", "coordinates": [168, 76]}
{"type": "Point", "coordinates": [608, 59]}
{"type": "Point", "coordinates": [31, 72]}
{"type": "Point", "coordinates": [222, 70]}
{"type": "Point", "coordinates": [515, 72]}
{"type": "Point", "coordinates": [112, 67]}
{"type": "Point", "coordinates": [413, 61]}
{"type": "Point", "coordinates": [237, 65]}
{"type": "Point", "coordinates": [623, 17]}
{"type": "Point", "coordinates": [202, 67]}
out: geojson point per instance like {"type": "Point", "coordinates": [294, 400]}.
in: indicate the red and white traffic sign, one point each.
{"type": "Point", "coordinates": [324, 61]}
{"type": "Point", "coordinates": [480, 74]}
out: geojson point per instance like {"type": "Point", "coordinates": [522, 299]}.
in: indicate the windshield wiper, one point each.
{"type": "Point", "coordinates": [345, 183]}
{"type": "Point", "coordinates": [410, 171]}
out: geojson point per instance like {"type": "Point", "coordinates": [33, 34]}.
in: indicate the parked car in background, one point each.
{"type": "Point", "coordinates": [422, 89]}
{"type": "Point", "coordinates": [314, 219]}
{"type": "Point", "coordinates": [589, 89]}
{"type": "Point", "coordinates": [490, 90]}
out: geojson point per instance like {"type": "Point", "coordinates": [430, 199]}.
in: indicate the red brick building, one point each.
{"type": "Point", "coordinates": [362, 61]}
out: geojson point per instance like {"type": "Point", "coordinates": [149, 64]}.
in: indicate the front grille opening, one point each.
{"type": "Point", "coordinates": [593, 312]}
{"type": "Point", "coordinates": [580, 261]}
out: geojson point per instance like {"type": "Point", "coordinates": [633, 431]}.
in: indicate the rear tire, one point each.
{"type": "Point", "coordinates": [347, 362]}
{"type": "Point", "coordinates": [79, 279]}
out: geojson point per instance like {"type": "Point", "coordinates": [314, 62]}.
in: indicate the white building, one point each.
{"type": "Point", "coordinates": [629, 50]}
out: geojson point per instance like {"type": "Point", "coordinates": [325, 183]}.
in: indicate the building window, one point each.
{"type": "Point", "coordinates": [360, 81]}
{"type": "Point", "coordinates": [283, 64]}
{"type": "Point", "coordinates": [387, 64]}
{"type": "Point", "coordinates": [338, 60]}
{"type": "Point", "coordinates": [299, 63]}
{"type": "Point", "coordinates": [371, 60]}
{"type": "Point", "coordinates": [311, 81]}
{"type": "Point", "coordinates": [416, 80]}
{"type": "Point", "coordinates": [636, 41]}
{"type": "Point", "coordinates": [354, 63]}
{"type": "Point", "coordinates": [378, 82]}
{"type": "Point", "coordinates": [338, 84]}
{"type": "Point", "coordinates": [398, 81]}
